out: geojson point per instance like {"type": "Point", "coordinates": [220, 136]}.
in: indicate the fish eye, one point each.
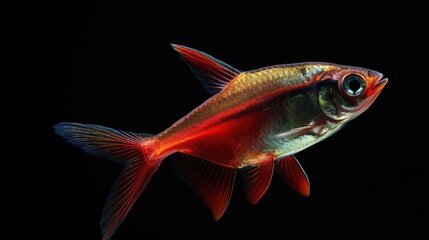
{"type": "Point", "coordinates": [354, 85]}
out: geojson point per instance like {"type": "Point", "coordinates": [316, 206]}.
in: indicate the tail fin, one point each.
{"type": "Point", "coordinates": [123, 147]}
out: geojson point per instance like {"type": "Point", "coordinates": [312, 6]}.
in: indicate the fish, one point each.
{"type": "Point", "coordinates": [253, 124]}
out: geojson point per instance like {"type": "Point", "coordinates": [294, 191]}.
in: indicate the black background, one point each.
{"type": "Point", "coordinates": [117, 69]}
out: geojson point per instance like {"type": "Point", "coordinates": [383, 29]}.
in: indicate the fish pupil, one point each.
{"type": "Point", "coordinates": [354, 85]}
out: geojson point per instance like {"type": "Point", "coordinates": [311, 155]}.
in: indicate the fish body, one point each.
{"type": "Point", "coordinates": [253, 124]}
{"type": "Point", "coordinates": [269, 111]}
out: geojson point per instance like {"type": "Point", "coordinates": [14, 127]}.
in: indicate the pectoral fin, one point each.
{"type": "Point", "coordinates": [293, 174]}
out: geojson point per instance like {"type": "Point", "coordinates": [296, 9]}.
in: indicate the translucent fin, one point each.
{"type": "Point", "coordinates": [212, 73]}
{"type": "Point", "coordinates": [96, 140]}
{"type": "Point", "coordinates": [124, 193]}
{"type": "Point", "coordinates": [314, 128]}
{"type": "Point", "coordinates": [293, 174]}
{"type": "Point", "coordinates": [294, 132]}
{"type": "Point", "coordinates": [257, 178]}
{"type": "Point", "coordinates": [122, 147]}
{"type": "Point", "coordinates": [212, 182]}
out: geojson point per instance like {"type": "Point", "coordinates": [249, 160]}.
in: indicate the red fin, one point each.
{"type": "Point", "coordinates": [293, 174]}
{"type": "Point", "coordinates": [124, 193]}
{"type": "Point", "coordinates": [212, 182]}
{"type": "Point", "coordinates": [257, 178]}
{"type": "Point", "coordinates": [213, 73]}
{"type": "Point", "coordinates": [122, 147]}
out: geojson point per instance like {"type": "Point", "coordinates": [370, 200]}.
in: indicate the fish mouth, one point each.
{"type": "Point", "coordinates": [373, 94]}
{"type": "Point", "coordinates": [379, 85]}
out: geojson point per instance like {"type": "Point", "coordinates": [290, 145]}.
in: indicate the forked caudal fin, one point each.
{"type": "Point", "coordinates": [123, 147]}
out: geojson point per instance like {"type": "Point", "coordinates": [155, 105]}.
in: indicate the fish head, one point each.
{"type": "Point", "coordinates": [346, 92]}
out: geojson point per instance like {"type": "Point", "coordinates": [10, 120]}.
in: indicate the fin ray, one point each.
{"type": "Point", "coordinates": [257, 179]}
{"type": "Point", "coordinates": [212, 182]}
{"type": "Point", "coordinates": [115, 145]}
{"type": "Point", "coordinates": [212, 73]}
{"type": "Point", "coordinates": [121, 147]}
{"type": "Point", "coordinates": [291, 171]}
{"type": "Point", "coordinates": [124, 193]}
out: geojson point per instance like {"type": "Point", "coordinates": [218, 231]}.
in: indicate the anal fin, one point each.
{"type": "Point", "coordinates": [212, 182]}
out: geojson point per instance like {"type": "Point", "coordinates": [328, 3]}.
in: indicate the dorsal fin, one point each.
{"type": "Point", "coordinates": [257, 178]}
{"type": "Point", "coordinates": [212, 182]}
{"type": "Point", "coordinates": [293, 174]}
{"type": "Point", "coordinates": [212, 73]}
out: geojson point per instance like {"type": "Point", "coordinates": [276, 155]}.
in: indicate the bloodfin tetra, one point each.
{"type": "Point", "coordinates": [253, 123]}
